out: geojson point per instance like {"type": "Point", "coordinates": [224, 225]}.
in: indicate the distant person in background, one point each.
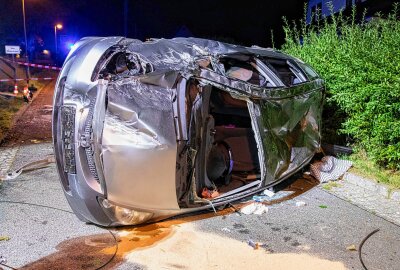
{"type": "Point", "coordinates": [32, 88]}
{"type": "Point", "coordinates": [27, 94]}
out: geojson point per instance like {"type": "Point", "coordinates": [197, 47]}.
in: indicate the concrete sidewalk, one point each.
{"type": "Point", "coordinates": [369, 195]}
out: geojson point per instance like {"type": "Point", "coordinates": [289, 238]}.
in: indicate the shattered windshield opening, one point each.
{"type": "Point", "coordinates": [247, 71]}
{"type": "Point", "coordinates": [286, 72]}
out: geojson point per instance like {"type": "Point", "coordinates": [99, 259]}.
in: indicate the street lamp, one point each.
{"type": "Point", "coordinates": [59, 27]}
{"type": "Point", "coordinates": [26, 40]}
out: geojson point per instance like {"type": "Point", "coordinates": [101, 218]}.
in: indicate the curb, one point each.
{"type": "Point", "coordinates": [7, 157]}
{"type": "Point", "coordinates": [372, 185]}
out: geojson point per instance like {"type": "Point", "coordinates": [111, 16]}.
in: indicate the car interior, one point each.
{"type": "Point", "coordinates": [232, 160]}
{"type": "Point", "coordinates": [226, 155]}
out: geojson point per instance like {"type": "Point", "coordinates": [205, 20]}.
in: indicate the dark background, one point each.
{"type": "Point", "coordinates": [245, 22]}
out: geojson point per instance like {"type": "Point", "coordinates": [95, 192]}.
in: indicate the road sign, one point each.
{"type": "Point", "coordinates": [11, 49]}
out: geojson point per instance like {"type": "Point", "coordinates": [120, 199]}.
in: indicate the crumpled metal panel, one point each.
{"type": "Point", "coordinates": [181, 54]}
{"type": "Point", "coordinates": [166, 54]}
{"type": "Point", "coordinates": [138, 143]}
{"type": "Point", "coordinates": [291, 133]}
{"type": "Point", "coordinates": [218, 48]}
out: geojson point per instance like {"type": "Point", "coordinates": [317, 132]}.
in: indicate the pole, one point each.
{"type": "Point", "coordinates": [15, 69]}
{"type": "Point", "coordinates": [126, 18]}
{"type": "Point", "coordinates": [26, 41]}
{"type": "Point", "coordinates": [55, 42]}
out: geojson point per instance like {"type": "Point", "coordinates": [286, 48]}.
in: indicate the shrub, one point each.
{"type": "Point", "coordinates": [360, 63]}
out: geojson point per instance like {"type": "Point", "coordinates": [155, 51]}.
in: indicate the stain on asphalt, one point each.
{"type": "Point", "coordinates": [91, 252]}
{"type": "Point", "coordinates": [287, 238]}
{"type": "Point", "coordinates": [238, 226]}
{"type": "Point", "coordinates": [295, 244]}
{"type": "Point", "coordinates": [76, 254]}
{"type": "Point", "coordinates": [177, 266]}
{"type": "Point", "coordinates": [134, 239]}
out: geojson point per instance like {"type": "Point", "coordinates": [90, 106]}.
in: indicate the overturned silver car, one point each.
{"type": "Point", "coordinates": [147, 130]}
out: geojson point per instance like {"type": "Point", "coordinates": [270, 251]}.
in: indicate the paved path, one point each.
{"type": "Point", "coordinates": [314, 236]}
{"type": "Point", "coordinates": [35, 123]}
{"type": "Point", "coordinates": [369, 200]}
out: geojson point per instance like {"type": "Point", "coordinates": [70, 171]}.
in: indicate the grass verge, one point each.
{"type": "Point", "coordinates": [8, 107]}
{"type": "Point", "coordinates": [363, 166]}
{"type": "Point", "coordinates": [328, 186]}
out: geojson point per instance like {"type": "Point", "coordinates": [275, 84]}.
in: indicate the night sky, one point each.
{"type": "Point", "coordinates": [245, 22]}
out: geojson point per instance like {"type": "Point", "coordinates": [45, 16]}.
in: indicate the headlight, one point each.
{"type": "Point", "coordinates": [124, 216]}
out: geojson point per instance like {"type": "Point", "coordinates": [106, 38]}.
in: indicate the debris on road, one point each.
{"type": "Point", "coordinates": [275, 196]}
{"type": "Point", "coordinates": [258, 198]}
{"type": "Point", "coordinates": [4, 238]}
{"type": "Point", "coordinates": [209, 194]}
{"type": "Point", "coordinates": [248, 209]}
{"type": "Point", "coordinates": [329, 168]}
{"type": "Point", "coordinates": [38, 164]}
{"type": "Point", "coordinates": [269, 193]}
{"type": "Point", "coordinates": [2, 260]}
{"type": "Point", "coordinates": [261, 209]}
{"type": "Point", "coordinates": [253, 244]}
{"type": "Point", "coordinates": [226, 230]}
{"type": "Point", "coordinates": [352, 248]}
{"type": "Point", "coordinates": [254, 208]}
{"type": "Point", "coordinates": [323, 206]}
{"type": "Point", "coordinates": [237, 211]}
{"type": "Point", "coordinates": [300, 203]}
{"type": "Point", "coordinates": [362, 244]}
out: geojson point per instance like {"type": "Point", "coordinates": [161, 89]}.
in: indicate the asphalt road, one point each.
{"type": "Point", "coordinates": [314, 236]}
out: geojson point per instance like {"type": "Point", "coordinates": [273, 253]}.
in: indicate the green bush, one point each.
{"type": "Point", "coordinates": [360, 62]}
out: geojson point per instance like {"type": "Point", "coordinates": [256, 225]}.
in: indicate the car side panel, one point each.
{"type": "Point", "coordinates": [139, 145]}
